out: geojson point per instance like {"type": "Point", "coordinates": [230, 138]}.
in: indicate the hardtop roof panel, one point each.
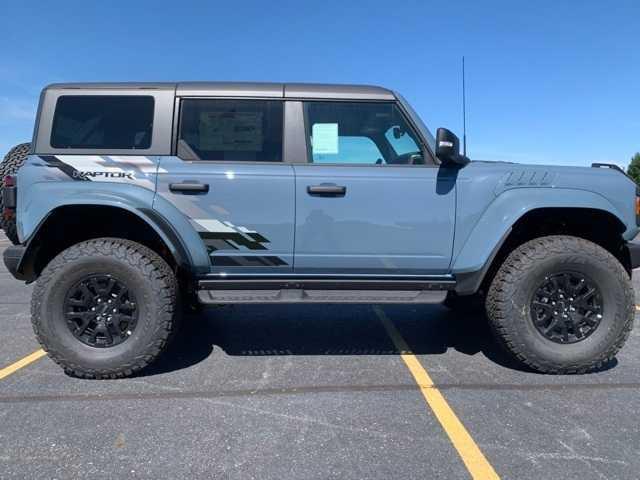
{"type": "Point", "coordinates": [112, 86]}
{"type": "Point", "coordinates": [230, 89]}
{"type": "Point", "coordinates": [321, 91]}
{"type": "Point", "coordinates": [244, 89]}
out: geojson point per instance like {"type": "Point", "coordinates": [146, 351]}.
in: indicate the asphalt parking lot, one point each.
{"type": "Point", "coordinates": [315, 392]}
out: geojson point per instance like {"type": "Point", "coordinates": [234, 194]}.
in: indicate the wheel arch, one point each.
{"type": "Point", "coordinates": [498, 232]}
{"type": "Point", "coordinates": [69, 224]}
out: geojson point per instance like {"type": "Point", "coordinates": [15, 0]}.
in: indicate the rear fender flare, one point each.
{"type": "Point", "coordinates": [165, 219]}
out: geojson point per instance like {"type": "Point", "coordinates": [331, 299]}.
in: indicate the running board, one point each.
{"type": "Point", "coordinates": [324, 290]}
{"type": "Point", "coordinates": [293, 295]}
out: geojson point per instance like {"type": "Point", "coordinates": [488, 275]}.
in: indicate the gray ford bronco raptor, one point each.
{"type": "Point", "coordinates": [136, 200]}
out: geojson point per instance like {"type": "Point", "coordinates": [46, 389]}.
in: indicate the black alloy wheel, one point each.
{"type": "Point", "coordinates": [567, 307]}
{"type": "Point", "coordinates": [100, 311]}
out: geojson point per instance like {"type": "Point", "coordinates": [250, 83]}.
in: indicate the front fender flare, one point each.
{"type": "Point", "coordinates": [495, 224]}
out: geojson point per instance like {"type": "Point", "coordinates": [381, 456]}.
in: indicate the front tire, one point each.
{"type": "Point", "coordinates": [105, 308]}
{"type": "Point", "coordinates": [561, 304]}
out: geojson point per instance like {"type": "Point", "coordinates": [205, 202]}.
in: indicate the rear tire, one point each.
{"type": "Point", "coordinates": [561, 304]}
{"type": "Point", "coordinates": [75, 288]}
{"type": "Point", "coordinates": [12, 161]}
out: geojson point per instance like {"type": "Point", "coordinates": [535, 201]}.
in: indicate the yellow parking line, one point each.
{"type": "Point", "coordinates": [476, 463]}
{"type": "Point", "coordinates": [14, 367]}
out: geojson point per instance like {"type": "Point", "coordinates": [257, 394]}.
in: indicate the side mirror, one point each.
{"type": "Point", "coordinates": [448, 148]}
{"type": "Point", "coordinates": [398, 132]}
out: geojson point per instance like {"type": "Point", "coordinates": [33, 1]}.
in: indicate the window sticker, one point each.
{"type": "Point", "coordinates": [231, 131]}
{"type": "Point", "coordinates": [324, 137]}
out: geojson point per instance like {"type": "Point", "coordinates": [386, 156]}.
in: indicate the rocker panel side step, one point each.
{"type": "Point", "coordinates": [319, 282]}
{"type": "Point", "coordinates": [298, 295]}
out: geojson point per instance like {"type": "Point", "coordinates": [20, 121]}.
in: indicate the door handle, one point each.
{"type": "Point", "coordinates": [327, 190]}
{"type": "Point", "coordinates": [189, 187]}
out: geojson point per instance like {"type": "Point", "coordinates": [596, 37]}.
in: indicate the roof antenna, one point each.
{"type": "Point", "coordinates": [464, 114]}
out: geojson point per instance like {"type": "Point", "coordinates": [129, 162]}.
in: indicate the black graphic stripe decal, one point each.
{"type": "Point", "coordinates": [218, 235]}
{"type": "Point", "coordinates": [247, 261]}
{"type": "Point", "coordinates": [233, 240]}
{"type": "Point", "coordinates": [70, 171]}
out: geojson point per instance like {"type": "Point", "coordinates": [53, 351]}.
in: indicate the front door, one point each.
{"type": "Point", "coordinates": [369, 200]}
{"type": "Point", "coordinates": [229, 179]}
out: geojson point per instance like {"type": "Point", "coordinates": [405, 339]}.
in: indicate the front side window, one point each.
{"type": "Point", "coordinates": [360, 133]}
{"type": "Point", "coordinates": [103, 122]}
{"type": "Point", "coordinates": [231, 130]}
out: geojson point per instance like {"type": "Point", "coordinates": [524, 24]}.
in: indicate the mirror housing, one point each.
{"type": "Point", "coordinates": [398, 133]}
{"type": "Point", "coordinates": [448, 148]}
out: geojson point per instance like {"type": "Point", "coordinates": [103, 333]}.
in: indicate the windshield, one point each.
{"type": "Point", "coordinates": [431, 141]}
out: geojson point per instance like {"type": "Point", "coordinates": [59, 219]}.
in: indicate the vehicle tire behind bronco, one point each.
{"type": "Point", "coordinates": [561, 304]}
{"type": "Point", "coordinates": [12, 161]}
{"type": "Point", "coordinates": [104, 308]}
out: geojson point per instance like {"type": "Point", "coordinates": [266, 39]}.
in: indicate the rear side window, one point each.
{"type": "Point", "coordinates": [103, 122]}
{"type": "Point", "coordinates": [231, 130]}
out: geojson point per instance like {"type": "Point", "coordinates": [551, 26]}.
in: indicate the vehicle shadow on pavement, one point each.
{"type": "Point", "coordinates": [276, 330]}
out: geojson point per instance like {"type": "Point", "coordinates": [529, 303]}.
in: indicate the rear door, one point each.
{"type": "Point", "coordinates": [229, 179]}
{"type": "Point", "coordinates": [370, 200]}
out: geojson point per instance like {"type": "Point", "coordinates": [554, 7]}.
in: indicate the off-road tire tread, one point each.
{"type": "Point", "coordinates": [151, 265]}
{"type": "Point", "coordinates": [12, 161]}
{"type": "Point", "coordinates": [514, 270]}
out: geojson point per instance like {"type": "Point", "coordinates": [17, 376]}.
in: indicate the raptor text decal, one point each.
{"type": "Point", "coordinates": [84, 175]}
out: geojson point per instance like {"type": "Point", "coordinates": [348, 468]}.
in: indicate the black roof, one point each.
{"type": "Point", "coordinates": [244, 89]}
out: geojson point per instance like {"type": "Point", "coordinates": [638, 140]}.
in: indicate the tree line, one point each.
{"type": "Point", "coordinates": [633, 170]}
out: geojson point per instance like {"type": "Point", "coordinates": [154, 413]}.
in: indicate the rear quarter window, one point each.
{"type": "Point", "coordinates": [103, 122]}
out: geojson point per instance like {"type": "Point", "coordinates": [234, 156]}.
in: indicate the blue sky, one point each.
{"type": "Point", "coordinates": [547, 81]}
